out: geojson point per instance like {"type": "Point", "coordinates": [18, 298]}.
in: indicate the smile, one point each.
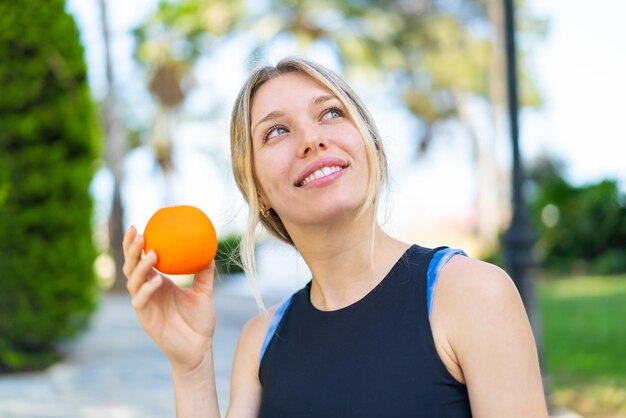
{"type": "Point", "coordinates": [320, 173]}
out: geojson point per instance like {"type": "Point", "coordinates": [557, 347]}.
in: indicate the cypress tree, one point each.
{"type": "Point", "coordinates": [48, 140]}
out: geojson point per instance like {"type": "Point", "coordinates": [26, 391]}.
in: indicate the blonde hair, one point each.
{"type": "Point", "coordinates": [242, 151]}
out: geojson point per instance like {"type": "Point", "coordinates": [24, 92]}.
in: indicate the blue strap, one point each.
{"type": "Point", "coordinates": [278, 315]}
{"type": "Point", "coordinates": [440, 258]}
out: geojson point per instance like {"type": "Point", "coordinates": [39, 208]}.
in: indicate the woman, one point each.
{"type": "Point", "coordinates": [369, 336]}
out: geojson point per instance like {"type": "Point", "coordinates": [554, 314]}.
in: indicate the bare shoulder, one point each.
{"type": "Point", "coordinates": [245, 388]}
{"type": "Point", "coordinates": [480, 323]}
{"type": "Point", "coordinates": [254, 331]}
{"type": "Point", "coordinates": [467, 297]}
{"type": "Point", "coordinates": [464, 279]}
{"type": "Point", "coordinates": [473, 299]}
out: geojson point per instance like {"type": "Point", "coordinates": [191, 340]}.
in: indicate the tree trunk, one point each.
{"type": "Point", "coordinates": [486, 196]}
{"type": "Point", "coordinates": [116, 235]}
{"type": "Point", "coordinates": [498, 99]}
{"type": "Point", "coordinates": [115, 152]}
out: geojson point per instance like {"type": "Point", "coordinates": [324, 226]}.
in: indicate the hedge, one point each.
{"type": "Point", "coordinates": [48, 144]}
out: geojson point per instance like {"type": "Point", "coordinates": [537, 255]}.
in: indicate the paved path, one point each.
{"type": "Point", "coordinates": [115, 371]}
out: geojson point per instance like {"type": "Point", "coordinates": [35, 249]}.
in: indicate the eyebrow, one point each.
{"type": "Point", "coordinates": [277, 113]}
{"type": "Point", "coordinates": [322, 99]}
{"type": "Point", "coordinates": [272, 115]}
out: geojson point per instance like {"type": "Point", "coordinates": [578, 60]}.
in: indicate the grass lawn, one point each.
{"type": "Point", "coordinates": [584, 327]}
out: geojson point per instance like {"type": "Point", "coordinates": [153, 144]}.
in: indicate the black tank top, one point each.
{"type": "Point", "coordinates": [375, 358]}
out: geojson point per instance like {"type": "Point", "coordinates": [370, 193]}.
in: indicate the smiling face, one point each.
{"type": "Point", "coordinates": [309, 159]}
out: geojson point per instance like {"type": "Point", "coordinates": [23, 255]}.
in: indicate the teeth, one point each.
{"type": "Point", "coordinates": [319, 173]}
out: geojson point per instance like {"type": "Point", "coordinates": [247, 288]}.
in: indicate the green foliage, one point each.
{"type": "Point", "coordinates": [432, 54]}
{"type": "Point", "coordinates": [228, 257]}
{"type": "Point", "coordinates": [47, 149]}
{"type": "Point", "coordinates": [583, 226]}
{"type": "Point", "coordinates": [181, 31]}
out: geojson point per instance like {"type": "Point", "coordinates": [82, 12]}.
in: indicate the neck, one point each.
{"type": "Point", "coordinates": [347, 259]}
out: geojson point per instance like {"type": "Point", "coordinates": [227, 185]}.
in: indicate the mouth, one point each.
{"type": "Point", "coordinates": [320, 172]}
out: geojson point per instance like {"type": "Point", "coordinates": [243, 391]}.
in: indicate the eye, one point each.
{"type": "Point", "coordinates": [332, 113]}
{"type": "Point", "coordinates": [274, 131]}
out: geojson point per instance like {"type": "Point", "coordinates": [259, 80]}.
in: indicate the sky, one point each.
{"type": "Point", "coordinates": [580, 68]}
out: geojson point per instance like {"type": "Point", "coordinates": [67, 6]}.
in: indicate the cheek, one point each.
{"type": "Point", "coordinates": [271, 173]}
{"type": "Point", "coordinates": [354, 145]}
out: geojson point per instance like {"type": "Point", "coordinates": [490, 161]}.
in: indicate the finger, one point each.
{"type": "Point", "coordinates": [128, 238]}
{"type": "Point", "coordinates": [133, 255]}
{"type": "Point", "coordinates": [204, 280]}
{"type": "Point", "coordinates": [142, 272]}
{"type": "Point", "coordinates": [142, 297]}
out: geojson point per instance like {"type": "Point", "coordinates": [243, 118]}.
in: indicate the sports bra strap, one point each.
{"type": "Point", "coordinates": [278, 315]}
{"type": "Point", "coordinates": [440, 258]}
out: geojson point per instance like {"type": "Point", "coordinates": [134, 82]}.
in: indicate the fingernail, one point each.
{"type": "Point", "coordinates": [152, 255]}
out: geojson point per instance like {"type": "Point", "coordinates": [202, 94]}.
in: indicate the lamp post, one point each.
{"type": "Point", "coordinates": [520, 238]}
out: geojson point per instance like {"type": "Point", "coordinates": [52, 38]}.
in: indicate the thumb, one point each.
{"type": "Point", "coordinates": [204, 280]}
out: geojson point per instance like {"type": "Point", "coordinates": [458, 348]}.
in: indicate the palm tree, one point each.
{"type": "Point", "coordinates": [115, 152]}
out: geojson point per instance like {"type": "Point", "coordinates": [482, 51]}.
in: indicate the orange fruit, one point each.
{"type": "Point", "coordinates": [183, 238]}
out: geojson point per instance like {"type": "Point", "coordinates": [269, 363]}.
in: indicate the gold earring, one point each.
{"type": "Point", "coordinates": [264, 211]}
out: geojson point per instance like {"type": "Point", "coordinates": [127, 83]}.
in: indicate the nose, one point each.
{"type": "Point", "coordinates": [311, 140]}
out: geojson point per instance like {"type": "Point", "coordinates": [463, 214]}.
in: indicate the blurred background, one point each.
{"type": "Point", "coordinates": [110, 110]}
